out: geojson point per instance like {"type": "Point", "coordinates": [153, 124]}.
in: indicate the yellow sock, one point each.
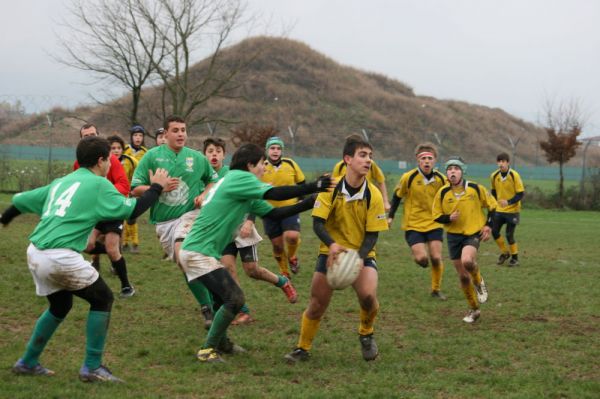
{"type": "Point", "coordinates": [476, 276]}
{"type": "Point", "coordinates": [282, 262]}
{"type": "Point", "coordinates": [471, 296]}
{"type": "Point", "coordinates": [366, 321]}
{"type": "Point", "coordinates": [135, 238]}
{"type": "Point", "coordinates": [308, 330]}
{"type": "Point", "coordinates": [502, 245]}
{"type": "Point", "coordinates": [436, 276]}
{"type": "Point", "coordinates": [292, 249]}
{"type": "Point", "coordinates": [514, 249]}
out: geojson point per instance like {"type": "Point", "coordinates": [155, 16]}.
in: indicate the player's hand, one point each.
{"type": "Point", "coordinates": [199, 200]}
{"type": "Point", "coordinates": [389, 222]}
{"type": "Point", "coordinates": [172, 184]}
{"type": "Point", "coordinates": [159, 176]}
{"type": "Point", "coordinates": [387, 206]}
{"type": "Point", "coordinates": [246, 229]}
{"type": "Point", "coordinates": [454, 215]}
{"type": "Point", "coordinates": [485, 233]}
{"type": "Point", "coordinates": [334, 250]}
{"type": "Point", "coordinates": [325, 182]}
{"type": "Point", "coordinates": [503, 203]}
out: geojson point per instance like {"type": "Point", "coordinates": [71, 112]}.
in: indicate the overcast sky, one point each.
{"type": "Point", "coordinates": [511, 54]}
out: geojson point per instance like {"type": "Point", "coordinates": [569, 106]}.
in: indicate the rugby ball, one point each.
{"type": "Point", "coordinates": [344, 270]}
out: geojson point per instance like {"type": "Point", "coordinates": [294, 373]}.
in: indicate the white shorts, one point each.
{"type": "Point", "coordinates": [55, 270]}
{"type": "Point", "coordinates": [168, 232]}
{"type": "Point", "coordinates": [195, 264]}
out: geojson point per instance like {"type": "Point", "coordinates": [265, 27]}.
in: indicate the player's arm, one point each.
{"type": "Point", "coordinates": [159, 181]}
{"type": "Point", "coordinates": [394, 207]}
{"type": "Point", "coordinates": [491, 204]}
{"type": "Point", "coordinates": [118, 177]}
{"type": "Point", "coordinates": [27, 202]}
{"type": "Point", "coordinates": [323, 183]}
{"type": "Point", "coordinates": [437, 210]}
{"type": "Point", "coordinates": [286, 211]}
{"type": "Point", "coordinates": [368, 243]}
{"type": "Point", "coordinates": [9, 214]}
{"type": "Point", "coordinates": [323, 234]}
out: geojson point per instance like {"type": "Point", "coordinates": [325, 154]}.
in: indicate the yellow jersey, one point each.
{"type": "Point", "coordinates": [129, 150]}
{"type": "Point", "coordinates": [348, 218]}
{"type": "Point", "coordinates": [506, 187]}
{"type": "Point", "coordinates": [375, 174]}
{"type": "Point", "coordinates": [129, 164]}
{"type": "Point", "coordinates": [287, 173]}
{"type": "Point", "coordinates": [469, 199]}
{"type": "Point", "coordinates": [418, 193]}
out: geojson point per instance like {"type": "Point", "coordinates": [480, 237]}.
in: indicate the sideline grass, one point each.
{"type": "Point", "coordinates": [537, 337]}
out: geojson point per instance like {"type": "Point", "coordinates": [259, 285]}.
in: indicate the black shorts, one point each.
{"type": "Point", "coordinates": [110, 226]}
{"type": "Point", "coordinates": [456, 242]}
{"type": "Point", "coordinates": [413, 237]}
{"type": "Point", "coordinates": [501, 218]}
{"type": "Point", "coordinates": [322, 263]}
{"type": "Point", "coordinates": [247, 254]}
{"type": "Point", "coordinates": [275, 228]}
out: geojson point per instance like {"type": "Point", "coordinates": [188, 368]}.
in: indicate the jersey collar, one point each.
{"type": "Point", "coordinates": [356, 197]}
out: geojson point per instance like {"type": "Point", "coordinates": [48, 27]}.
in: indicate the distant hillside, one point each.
{"type": "Point", "coordinates": [291, 84]}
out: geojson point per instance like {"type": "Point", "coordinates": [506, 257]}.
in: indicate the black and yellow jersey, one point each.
{"type": "Point", "coordinates": [129, 164]}
{"type": "Point", "coordinates": [287, 173]}
{"type": "Point", "coordinates": [374, 176]}
{"type": "Point", "coordinates": [137, 154]}
{"type": "Point", "coordinates": [418, 192]}
{"type": "Point", "coordinates": [469, 199]}
{"type": "Point", "coordinates": [505, 187]}
{"type": "Point", "coordinates": [348, 218]}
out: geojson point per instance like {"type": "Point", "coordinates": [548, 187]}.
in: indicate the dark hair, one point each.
{"type": "Point", "coordinates": [246, 154]}
{"type": "Point", "coordinates": [90, 149]}
{"type": "Point", "coordinates": [87, 126]}
{"type": "Point", "coordinates": [503, 157]}
{"type": "Point", "coordinates": [217, 142]}
{"type": "Point", "coordinates": [353, 143]}
{"type": "Point", "coordinates": [116, 139]}
{"type": "Point", "coordinates": [172, 118]}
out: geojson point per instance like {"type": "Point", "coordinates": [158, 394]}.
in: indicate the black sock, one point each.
{"type": "Point", "coordinates": [99, 248]}
{"type": "Point", "coordinates": [121, 269]}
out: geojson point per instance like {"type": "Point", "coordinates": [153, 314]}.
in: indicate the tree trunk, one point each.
{"type": "Point", "coordinates": [136, 93]}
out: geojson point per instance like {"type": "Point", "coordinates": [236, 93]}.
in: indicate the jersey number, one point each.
{"type": "Point", "coordinates": [63, 201]}
{"type": "Point", "coordinates": [212, 192]}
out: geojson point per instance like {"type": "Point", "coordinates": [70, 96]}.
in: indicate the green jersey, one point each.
{"type": "Point", "coordinates": [223, 211]}
{"type": "Point", "coordinates": [190, 166]}
{"type": "Point", "coordinates": [70, 207]}
{"type": "Point", "coordinates": [223, 171]}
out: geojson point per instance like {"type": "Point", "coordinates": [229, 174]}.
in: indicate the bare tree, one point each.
{"type": "Point", "coordinates": [563, 124]}
{"type": "Point", "coordinates": [252, 133]}
{"type": "Point", "coordinates": [104, 40]}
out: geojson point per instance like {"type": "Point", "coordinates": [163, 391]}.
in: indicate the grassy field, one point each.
{"type": "Point", "coordinates": [537, 336]}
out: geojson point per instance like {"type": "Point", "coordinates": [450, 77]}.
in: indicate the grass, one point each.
{"type": "Point", "coordinates": [537, 336]}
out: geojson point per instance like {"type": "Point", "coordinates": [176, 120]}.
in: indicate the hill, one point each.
{"type": "Point", "coordinates": [290, 84]}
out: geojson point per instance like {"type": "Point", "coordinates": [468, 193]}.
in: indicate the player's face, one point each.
{"type": "Point", "coordinates": [176, 136]}
{"type": "Point", "coordinates": [454, 174]}
{"type": "Point", "coordinates": [215, 156]}
{"type": "Point", "coordinates": [259, 169]}
{"type": "Point", "coordinates": [105, 166]}
{"type": "Point", "coordinates": [426, 163]}
{"type": "Point", "coordinates": [503, 165]}
{"type": "Point", "coordinates": [116, 149]}
{"type": "Point", "coordinates": [161, 139]}
{"type": "Point", "coordinates": [274, 152]}
{"type": "Point", "coordinates": [360, 163]}
{"type": "Point", "coordinates": [137, 138]}
{"type": "Point", "coordinates": [90, 131]}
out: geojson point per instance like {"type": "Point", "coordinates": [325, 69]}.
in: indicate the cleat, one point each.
{"type": "Point", "coordinates": [209, 355]}
{"type": "Point", "coordinates": [297, 355]}
{"type": "Point", "coordinates": [438, 295]}
{"type": "Point", "coordinates": [503, 258]}
{"type": "Point", "coordinates": [482, 293]}
{"type": "Point", "coordinates": [21, 368]}
{"type": "Point", "coordinates": [242, 318]}
{"type": "Point", "coordinates": [294, 265]}
{"type": "Point", "coordinates": [368, 347]}
{"type": "Point", "coordinates": [134, 249]}
{"type": "Point", "coordinates": [227, 347]}
{"type": "Point", "coordinates": [127, 292]}
{"type": "Point", "coordinates": [472, 316]}
{"type": "Point", "coordinates": [208, 316]}
{"type": "Point", "coordinates": [290, 292]}
{"type": "Point", "coordinates": [101, 374]}
{"type": "Point", "coordinates": [513, 262]}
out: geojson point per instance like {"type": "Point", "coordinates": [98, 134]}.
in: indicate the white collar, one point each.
{"type": "Point", "coordinates": [358, 196]}
{"type": "Point", "coordinates": [425, 179]}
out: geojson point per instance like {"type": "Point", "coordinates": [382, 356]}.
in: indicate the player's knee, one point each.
{"type": "Point", "coordinates": [469, 264]}
{"type": "Point", "coordinates": [465, 279]}
{"type": "Point", "coordinates": [292, 239]}
{"type": "Point", "coordinates": [495, 234]}
{"type": "Point", "coordinates": [436, 261]}
{"type": "Point", "coordinates": [113, 252]}
{"type": "Point", "coordinates": [510, 237]}
{"type": "Point", "coordinates": [236, 300]}
{"type": "Point", "coordinates": [252, 271]}
{"type": "Point", "coordinates": [368, 302]}
{"type": "Point", "coordinates": [277, 249]}
{"type": "Point", "coordinates": [422, 261]}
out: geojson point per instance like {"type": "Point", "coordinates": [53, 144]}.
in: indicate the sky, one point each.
{"type": "Point", "coordinates": [511, 54]}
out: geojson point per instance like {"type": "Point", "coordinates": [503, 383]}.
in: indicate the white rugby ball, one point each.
{"type": "Point", "coordinates": [344, 271]}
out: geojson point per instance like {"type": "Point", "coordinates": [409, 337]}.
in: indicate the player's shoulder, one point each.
{"type": "Point", "coordinates": [290, 162]}
{"type": "Point", "coordinates": [495, 174]}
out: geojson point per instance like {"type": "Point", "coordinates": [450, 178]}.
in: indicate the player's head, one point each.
{"type": "Point", "coordinates": [160, 136]}
{"type": "Point", "coordinates": [426, 155]}
{"type": "Point", "coordinates": [137, 134]}
{"type": "Point", "coordinates": [455, 169]}
{"type": "Point", "coordinates": [92, 151]}
{"type": "Point", "coordinates": [249, 157]}
{"type": "Point", "coordinates": [503, 161]}
{"type": "Point", "coordinates": [214, 151]}
{"type": "Point", "coordinates": [117, 145]}
{"type": "Point", "coordinates": [274, 148]}
{"type": "Point", "coordinates": [358, 154]}
{"type": "Point", "coordinates": [89, 129]}
{"type": "Point", "coordinates": [175, 132]}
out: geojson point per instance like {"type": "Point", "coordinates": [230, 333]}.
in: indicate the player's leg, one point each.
{"type": "Point", "coordinates": [291, 236]}
{"type": "Point", "coordinates": [437, 267]}
{"type": "Point", "coordinates": [469, 261]}
{"type": "Point", "coordinates": [416, 242]}
{"type": "Point", "coordinates": [111, 241]}
{"type": "Point", "coordinates": [365, 287]}
{"type": "Point", "coordinates": [134, 236]}
{"type": "Point", "coordinates": [514, 248]}
{"type": "Point", "coordinates": [498, 222]}
{"type": "Point", "coordinates": [274, 231]}
{"type": "Point", "coordinates": [229, 261]}
{"type": "Point", "coordinates": [455, 250]}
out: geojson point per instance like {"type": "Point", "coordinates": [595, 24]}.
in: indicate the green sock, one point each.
{"type": "Point", "coordinates": [218, 328]}
{"type": "Point", "coordinates": [281, 281]}
{"type": "Point", "coordinates": [42, 332]}
{"type": "Point", "coordinates": [245, 309]}
{"type": "Point", "coordinates": [95, 332]}
{"type": "Point", "coordinates": [201, 293]}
